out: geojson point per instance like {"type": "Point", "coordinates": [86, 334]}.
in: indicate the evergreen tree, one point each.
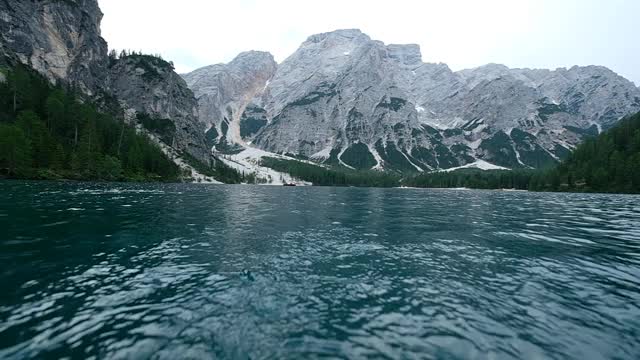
{"type": "Point", "coordinates": [58, 157]}
{"type": "Point", "coordinates": [43, 127]}
{"type": "Point", "coordinates": [36, 132]}
{"type": "Point", "coordinates": [15, 150]}
{"type": "Point", "coordinates": [55, 110]}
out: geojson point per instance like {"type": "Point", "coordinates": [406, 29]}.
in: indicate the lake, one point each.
{"type": "Point", "coordinates": [169, 271]}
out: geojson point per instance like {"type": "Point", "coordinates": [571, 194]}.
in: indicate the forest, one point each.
{"type": "Point", "coordinates": [332, 176]}
{"type": "Point", "coordinates": [48, 132]}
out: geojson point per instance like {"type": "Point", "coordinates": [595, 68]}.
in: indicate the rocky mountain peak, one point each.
{"type": "Point", "coordinates": [252, 58]}
{"type": "Point", "coordinates": [348, 100]}
{"type": "Point", "coordinates": [225, 90]}
{"type": "Point", "coordinates": [341, 35]}
{"type": "Point", "coordinates": [408, 54]}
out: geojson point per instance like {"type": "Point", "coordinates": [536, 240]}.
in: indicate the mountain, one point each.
{"type": "Point", "coordinates": [61, 40]}
{"type": "Point", "coordinates": [149, 87]}
{"type": "Point", "coordinates": [224, 92]}
{"type": "Point", "coordinates": [345, 99]}
{"type": "Point", "coordinates": [341, 99]}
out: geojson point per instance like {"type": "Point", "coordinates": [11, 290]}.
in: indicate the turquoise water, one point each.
{"type": "Point", "coordinates": [244, 272]}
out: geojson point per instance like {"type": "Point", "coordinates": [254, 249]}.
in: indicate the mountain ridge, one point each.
{"type": "Point", "coordinates": [341, 89]}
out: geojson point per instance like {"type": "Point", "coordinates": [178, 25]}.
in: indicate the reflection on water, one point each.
{"type": "Point", "coordinates": [192, 271]}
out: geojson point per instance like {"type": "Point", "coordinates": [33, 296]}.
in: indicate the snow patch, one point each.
{"type": "Point", "coordinates": [440, 124]}
{"type": "Point", "coordinates": [475, 144]}
{"type": "Point", "coordinates": [513, 146]}
{"type": "Point", "coordinates": [598, 126]}
{"type": "Point", "coordinates": [175, 157]}
{"type": "Point", "coordinates": [480, 128]}
{"type": "Point", "coordinates": [410, 162]}
{"type": "Point", "coordinates": [343, 163]}
{"type": "Point", "coordinates": [248, 162]}
{"type": "Point", "coordinates": [376, 156]}
{"type": "Point", "coordinates": [479, 164]}
{"type": "Point", "coordinates": [322, 154]}
{"type": "Point", "coordinates": [420, 109]}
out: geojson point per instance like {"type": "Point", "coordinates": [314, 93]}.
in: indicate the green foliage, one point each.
{"type": "Point", "coordinates": [164, 128]}
{"type": "Point", "coordinates": [15, 150]}
{"type": "Point", "coordinates": [473, 179]}
{"type": "Point", "coordinates": [393, 158]}
{"type": "Point", "coordinates": [547, 109]}
{"type": "Point", "coordinates": [607, 163]}
{"type": "Point", "coordinates": [501, 150]}
{"type": "Point", "coordinates": [394, 104]}
{"type": "Point", "coordinates": [324, 90]}
{"type": "Point", "coordinates": [530, 152]}
{"type": "Point", "coordinates": [48, 133]}
{"type": "Point", "coordinates": [321, 176]}
{"type": "Point", "coordinates": [217, 170]}
{"type": "Point", "coordinates": [153, 65]}
{"type": "Point", "coordinates": [251, 124]}
{"type": "Point", "coordinates": [211, 137]}
{"type": "Point", "coordinates": [359, 157]}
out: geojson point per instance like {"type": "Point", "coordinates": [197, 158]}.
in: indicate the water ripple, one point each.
{"type": "Point", "coordinates": [268, 273]}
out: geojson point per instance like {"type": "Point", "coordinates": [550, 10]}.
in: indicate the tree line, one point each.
{"type": "Point", "coordinates": [323, 176]}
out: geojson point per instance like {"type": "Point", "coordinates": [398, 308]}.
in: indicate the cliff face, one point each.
{"type": "Point", "coordinates": [149, 86]}
{"type": "Point", "coordinates": [225, 91]}
{"type": "Point", "coordinates": [59, 39]}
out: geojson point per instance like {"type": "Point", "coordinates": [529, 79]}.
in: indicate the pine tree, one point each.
{"type": "Point", "coordinates": [15, 150]}
{"type": "Point", "coordinates": [36, 132]}
{"type": "Point", "coordinates": [55, 110]}
{"type": "Point", "coordinates": [58, 157]}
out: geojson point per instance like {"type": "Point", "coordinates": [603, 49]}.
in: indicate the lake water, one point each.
{"type": "Point", "coordinates": [244, 272]}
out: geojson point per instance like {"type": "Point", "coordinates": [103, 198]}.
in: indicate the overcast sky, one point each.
{"type": "Point", "coordinates": [460, 33]}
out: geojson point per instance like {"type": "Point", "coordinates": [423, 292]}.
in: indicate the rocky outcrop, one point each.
{"type": "Point", "coordinates": [346, 99]}
{"type": "Point", "coordinates": [224, 92]}
{"type": "Point", "coordinates": [59, 39]}
{"type": "Point", "coordinates": [161, 101]}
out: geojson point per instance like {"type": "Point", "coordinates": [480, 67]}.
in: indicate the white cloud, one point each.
{"type": "Point", "coordinates": [461, 33]}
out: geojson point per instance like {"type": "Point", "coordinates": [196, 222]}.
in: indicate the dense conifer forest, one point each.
{"type": "Point", "coordinates": [48, 132]}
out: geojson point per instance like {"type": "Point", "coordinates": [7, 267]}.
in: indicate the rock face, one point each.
{"type": "Point", "coordinates": [59, 39]}
{"type": "Point", "coordinates": [164, 104]}
{"type": "Point", "coordinates": [346, 99]}
{"type": "Point", "coordinates": [224, 91]}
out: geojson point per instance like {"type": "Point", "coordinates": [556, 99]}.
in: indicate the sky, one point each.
{"type": "Point", "coordinates": [461, 33]}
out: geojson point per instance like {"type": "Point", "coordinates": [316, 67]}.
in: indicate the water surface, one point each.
{"type": "Point", "coordinates": [242, 272]}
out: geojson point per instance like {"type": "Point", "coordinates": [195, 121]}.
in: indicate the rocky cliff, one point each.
{"type": "Point", "coordinates": [225, 91]}
{"type": "Point", "coordinates": [149, 88]}
{"type": "Point", "coordinates": [346, 99]}
{"type": "Point", "coordinates": [61, 40]}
